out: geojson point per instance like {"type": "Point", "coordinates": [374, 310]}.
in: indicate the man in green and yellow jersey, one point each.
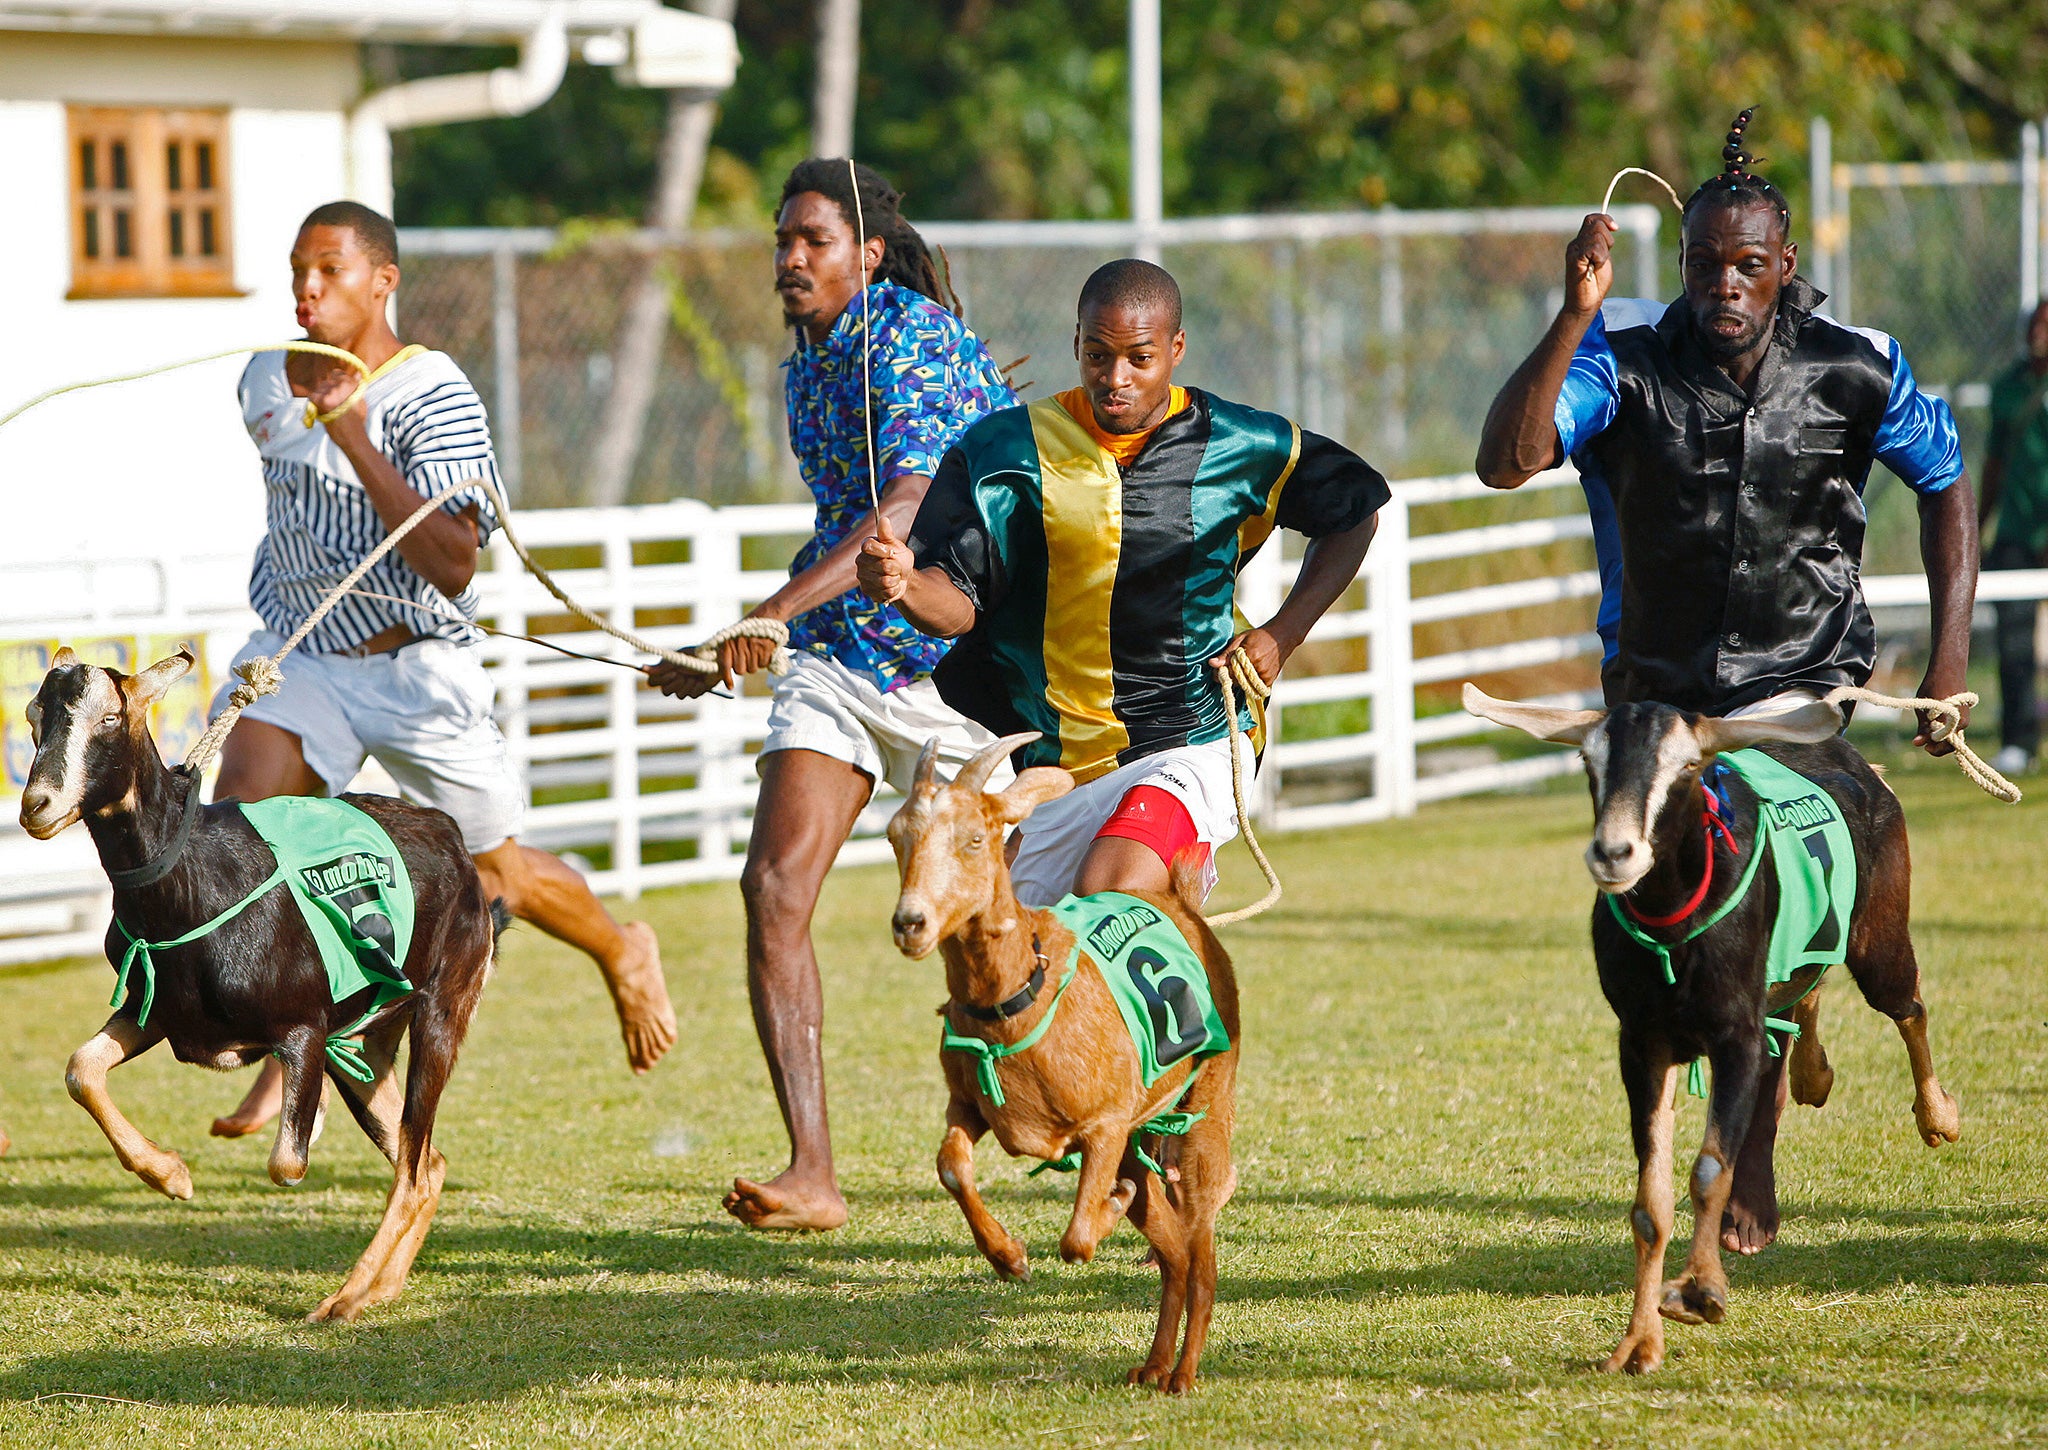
{"type": "Point", "coordinates": [1087, 547]}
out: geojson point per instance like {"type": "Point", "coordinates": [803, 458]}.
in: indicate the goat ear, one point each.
{"type": "Point", "coordinates": [149, 686]}
{"type": "Point", "coordinates": [1810, 724]}
{"type": "Point", "coordinates": [1545, 722]}
{"type": "Point", "coordinates": [1032, 789]}
{"type": "Point", "coordinates": [63, 659]}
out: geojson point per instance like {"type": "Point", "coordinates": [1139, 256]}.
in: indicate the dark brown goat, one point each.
{"type": "Point", "coordinates": [1079, 1087]}
{"type": "Point", "coordinates": [1645, 764]}
{"type": "Point", "coordinates": [256, 984]}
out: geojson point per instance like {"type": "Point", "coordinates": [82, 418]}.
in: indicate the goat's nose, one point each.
{"type": "Point", "coordinates": [906, 920]}
{"type": "Point", "coordinates": [34, 801]}
{"type": "Point", "coordinates": [1613, 853]}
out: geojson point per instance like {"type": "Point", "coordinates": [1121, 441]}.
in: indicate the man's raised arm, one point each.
{"type": "Point", "coordinates": [1520, 438]}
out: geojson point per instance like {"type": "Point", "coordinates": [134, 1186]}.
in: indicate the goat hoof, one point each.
{"type": "Point", "coordinates": [1013, 1265]}
{"type": "Point", "coordinates": [336, 1308]}
{"type": "Point", "coordinates": [1811, 1089]}
{"type": "Point", "coordinates": [1146, 1374]}
{"type": "Point", "coordinates": [1688, 1301]}
{"type": "Point", "coordinates": [1073, 1251]}
{"type": "Point", "coordinates": [1638, 1354]}
{"type": "Point", "coordinates": [172, 1181]}
{"type": "Point", "coordinates": [1179, 1383]}
{"type": "Point", "coordinates": [1939, 1121]}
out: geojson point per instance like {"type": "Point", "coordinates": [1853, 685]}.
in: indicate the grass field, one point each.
{"type": "Point", "coordinates": [1428, 1247]}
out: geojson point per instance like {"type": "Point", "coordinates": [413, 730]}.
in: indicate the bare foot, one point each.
{"type": "Point", "coordinates": [646, 1020]}
{"type": "Point", "coordinates": [786, 1202]}
{"type": "Point", "coordinates": [264, 1102]}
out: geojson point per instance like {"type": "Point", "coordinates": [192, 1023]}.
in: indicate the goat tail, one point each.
{"type": "Point", "coordinates": [501, 917]}
{"type": "Point", "coordinates": [1188, 877]}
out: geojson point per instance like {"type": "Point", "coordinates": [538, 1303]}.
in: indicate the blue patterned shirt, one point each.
{"type": "Point", "coordinates": [932, 380]}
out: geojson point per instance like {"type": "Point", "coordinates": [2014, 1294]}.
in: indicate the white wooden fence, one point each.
{"type": "Point", "coordinates": [649, 791]}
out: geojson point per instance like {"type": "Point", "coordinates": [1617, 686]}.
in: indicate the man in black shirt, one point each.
{"type": "Point", "coordinates": [1723, 442]}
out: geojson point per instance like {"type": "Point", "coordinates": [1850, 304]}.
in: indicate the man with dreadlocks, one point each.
{"type": "Point", "coordinates": [858, 704]}
{"type": "Point", "coordinates": [1723, 442]}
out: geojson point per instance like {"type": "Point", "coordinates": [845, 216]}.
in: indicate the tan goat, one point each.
{"type": "Point", "coordinates": [1071, 1077]}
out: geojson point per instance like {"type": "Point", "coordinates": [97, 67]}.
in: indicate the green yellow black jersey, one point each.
{"type": "Point", "coordinates": [1101, 592]}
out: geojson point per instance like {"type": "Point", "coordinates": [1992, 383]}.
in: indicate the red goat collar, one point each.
{"type": "Point", "coordinates": [1712, 822]}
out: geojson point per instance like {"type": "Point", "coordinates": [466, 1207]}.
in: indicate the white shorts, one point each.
{"type": "Point", "coordinates": [1782, 703]}
{"type": "Point", "coordinates": [823, 705]}
{"type": "Point", "coordinates": [1057, 835]}
{"type": "Point", "coordinates": [424, 713]}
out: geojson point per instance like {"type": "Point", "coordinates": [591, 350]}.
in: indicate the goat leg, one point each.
{"type": "Point", "coordinates": [1813, 1076]}
{"type": "Point", "coordinates": [1102, 1196]}
{"type": "Point", "coordinates": [1649, 1075]}
{"type": "Point", "coordinates": [302, 1053]}
{"type": "Point", "coordinates": [1700, 1294]}
{"type": "Point", "coordinates": [415, 1186]}
{"type": "Point", "coordinates": [964, 1128]}
{"type": "Point", "coordinates": [1159, 1215]}
{"type": "Point", "coordinates": [377, 1104]}
{"type": "Point", "coordinates": [1934, 1110]}
{"type": "Point", "coordinates": [85, 1076]}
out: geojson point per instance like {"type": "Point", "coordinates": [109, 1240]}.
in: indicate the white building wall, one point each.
{"type": "Point", "coordinates": [159, 466]}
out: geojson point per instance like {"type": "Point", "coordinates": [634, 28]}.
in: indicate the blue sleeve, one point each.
{"type": "Point", "coordinates": [919, 370]}
{"type": "Point", "coordinates": [1591, 394]}
{"type": "Point", "coordinates": [1917, 439]}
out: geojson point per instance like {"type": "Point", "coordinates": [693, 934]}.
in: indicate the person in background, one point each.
{"type": "Point", "coordinates": [2016, 490]}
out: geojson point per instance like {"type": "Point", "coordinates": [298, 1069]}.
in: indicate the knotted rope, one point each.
{"type": "Point", "coordinates": [1946, 724]}
{"type": "Point", "coordinates": [1239, 671]}
{"type": "Point", "coordinates": [264, 675]}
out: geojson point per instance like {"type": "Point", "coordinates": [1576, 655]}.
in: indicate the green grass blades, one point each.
{"type": "Point", "coordinates": [1429, 1246]}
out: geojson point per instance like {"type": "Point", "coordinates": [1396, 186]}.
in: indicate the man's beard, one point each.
{"type": "Point", "coordinates": [1724, 349]}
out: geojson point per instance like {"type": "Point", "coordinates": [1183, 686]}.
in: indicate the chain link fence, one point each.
{"type": "Point", "coordinates": [1386, 330]}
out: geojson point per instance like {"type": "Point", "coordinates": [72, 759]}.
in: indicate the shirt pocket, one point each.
{"type": "Point", "coordinates": [1823, 442]}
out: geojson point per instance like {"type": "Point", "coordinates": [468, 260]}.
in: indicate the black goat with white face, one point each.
{"type": "Point", "coordinates": [1675, 863]}
{"type": "Point", "coordinates": [256, 984]}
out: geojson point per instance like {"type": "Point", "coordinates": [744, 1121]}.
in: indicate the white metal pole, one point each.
{"type": "Point", "coordinates": [1148, 200]}
{"type": "Point", "coordinates": [505, 367]}
{"type": "Point", "coordinates": [1821, 195]}
{"type": "Point", "coordinates": [2030, 217]}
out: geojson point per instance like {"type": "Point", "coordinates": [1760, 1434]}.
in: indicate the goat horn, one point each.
{"type": "Point", "coordinates": [974, 775]}
{"type": "Point", "coordinates": [927, 765]}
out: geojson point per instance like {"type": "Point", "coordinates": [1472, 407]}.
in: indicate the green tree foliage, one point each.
{"type": "Point", "coordinates": [992, 108]}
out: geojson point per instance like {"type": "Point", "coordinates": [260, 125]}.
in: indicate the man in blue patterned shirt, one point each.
{"type": "Point", "coordinates": [858, 704]}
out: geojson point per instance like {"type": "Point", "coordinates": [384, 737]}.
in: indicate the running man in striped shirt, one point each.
{"type": "Point", "coordinates": [399, 681]}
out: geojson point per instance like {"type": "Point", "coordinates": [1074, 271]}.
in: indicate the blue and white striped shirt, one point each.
{"type": "Point", "coordinates": [425, 417]}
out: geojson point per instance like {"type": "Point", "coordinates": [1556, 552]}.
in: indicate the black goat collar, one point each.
{"type": "Point", "coordinates": [165, 860]}
{"type": "Point", "coordinates": [1021, 1003]}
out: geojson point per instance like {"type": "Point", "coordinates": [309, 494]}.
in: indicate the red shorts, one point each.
{"type": "Point", "coordinates": [1155, 818]}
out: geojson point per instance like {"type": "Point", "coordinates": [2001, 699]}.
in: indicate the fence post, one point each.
{"type": "Point", "coordinates": [1393, 331]}
{"type": "Point", "coordinates": [1820, 169]}
{"type": "Point", "coordinates": [508, 580]}
{"type": "Point", "coordinates": [1393, 661]}
{"type": "Point", "coordinates": [1840, 253]}
{"type": "Point", "coordinates": [716, 552]}
{"type": "Point", "coordinates": [624, 701]}
{"type": "Point", "coordinates": [2030, 217]}
{"type": "Point", "coordinates": [505, 366]}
